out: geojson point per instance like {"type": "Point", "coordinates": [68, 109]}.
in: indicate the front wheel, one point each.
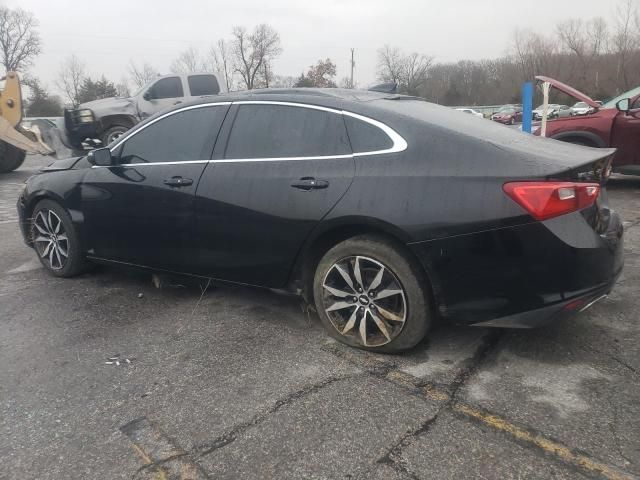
{"type": "Point", "coordinates": [56, 240]}
{"type": "Point", "coordinates": [369, 295]}
{"type": "Point", "coordinates": [112, 133]}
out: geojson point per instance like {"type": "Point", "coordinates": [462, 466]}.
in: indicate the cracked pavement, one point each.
{"type": "Point", "coordinates": [243, 383]}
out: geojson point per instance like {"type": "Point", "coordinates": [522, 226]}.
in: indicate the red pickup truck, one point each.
{"type": "Point", "coordinates": [613, 124]}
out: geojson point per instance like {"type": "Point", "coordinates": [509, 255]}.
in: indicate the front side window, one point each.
{"type": "Point", "coordinates": [274, 131]}
{"type": "Point", "coordinates": [167, 88]}
{"type": "Point", "coordinates": [182, 136]}
{"type": "Point", "coordinates": [203, 85]}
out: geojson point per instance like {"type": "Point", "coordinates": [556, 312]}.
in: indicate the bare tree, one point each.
{"type": "Point", "coordinates": [187, 61]}
{"type": "Point", "coordinates": [142, 75]}
{"type": "Point", "coordinates": [219, 61]}
{"type": "Point", "coordinates": [251, 51]}
{"type": "Point", "coordinates": [70, 78]}
{"type": "Point", "coordinates": [122, 88]}
{"type": "Point", "coordinates": [598, 33]}
{"type": "Point", "coordinates": [585, 41]}
{"type": "Point", "coordinates": [625, 40]}
{"type": "Point", "coordinates": [409, 72]}
{"type": "Point", "coordinates": [535, 54]}
{"type": "Point", "coordinates": [19, 38]}
{"type": "Point", "coordinates": [390, 64]}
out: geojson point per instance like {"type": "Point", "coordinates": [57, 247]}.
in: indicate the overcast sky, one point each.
{"type": "Point", "coordinates": [107, 34]}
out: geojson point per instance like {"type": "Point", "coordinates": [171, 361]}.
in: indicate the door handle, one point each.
{"type": "Point", "coordinates": [176, 103]}
{"type": "Point", "coordinates": [178, 182]}
{"type": "Point", "coordinates": [310, 183]}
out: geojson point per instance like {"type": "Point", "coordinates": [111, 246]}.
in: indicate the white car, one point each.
{"type": "Point", "coordinates": [580, 108]}
{"type": "Point", "coordinates": [470, 111]}
{"type": "Point", "coordinates": [553, 111]}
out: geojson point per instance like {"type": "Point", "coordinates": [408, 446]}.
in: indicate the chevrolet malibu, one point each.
{"type": "Point", "coordinates": [385, 212]}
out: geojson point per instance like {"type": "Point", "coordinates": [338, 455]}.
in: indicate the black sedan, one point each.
{"type": "Point", "coordinates": [384, 211]}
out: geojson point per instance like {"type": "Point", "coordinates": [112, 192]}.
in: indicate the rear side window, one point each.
{"type": "Point", "coordinates": [203, 85]}
{"type": "Point", "coordinates": [167, 88]}
{"type": "Point", "coordinates": [366, 137]}
{"type": "Point", "coordinates": [272, 131]}
{"type": "Point", "coordinates": [183, 136]}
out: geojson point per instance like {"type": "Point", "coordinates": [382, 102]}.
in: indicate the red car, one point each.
{"type": "Point", "coordinates": [508, 114]}
{"type": "Point", "coordinates": [615, 123]}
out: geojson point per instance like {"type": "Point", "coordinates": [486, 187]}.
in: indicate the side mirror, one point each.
{"type": "Point", "coordinates": [624, 105]}
{"type": "Point", "coordinates": [147, 95]}
{"type": "Point", "coordinates": [100, 157]}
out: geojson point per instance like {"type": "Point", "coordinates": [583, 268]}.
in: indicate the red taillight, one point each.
{"type": "Point", "coordinates": [544, 200]}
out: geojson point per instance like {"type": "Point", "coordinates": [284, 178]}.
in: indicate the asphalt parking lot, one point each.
{"type": "Point", "coordinates": [231, 382]}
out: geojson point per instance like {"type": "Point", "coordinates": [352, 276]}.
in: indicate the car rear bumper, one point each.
{"type": "Point", "coordinates": [523, 276]}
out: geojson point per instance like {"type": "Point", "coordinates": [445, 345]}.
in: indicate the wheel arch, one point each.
{"type": "Point", "coordinates": [119, 119]}
{"type": "Point", "coordinates": [589, 137]}
{"type": "Point", "coordinates": [36, 197]}
{"type": "Point", "coordinates": [328, 234]}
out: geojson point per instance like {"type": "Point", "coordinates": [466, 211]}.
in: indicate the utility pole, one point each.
{"type": "Point", "coordinates": [353, 64]}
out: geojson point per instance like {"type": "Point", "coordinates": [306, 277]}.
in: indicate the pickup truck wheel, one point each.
{"type": "Point", "coordinates": [10, 157]}
{"type": "Point", "coordinates": [112, 133]}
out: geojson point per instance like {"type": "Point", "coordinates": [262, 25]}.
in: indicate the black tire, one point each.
{"type": "Point", "coordinates": [75, 262]}
{"type": "Point", "coordinates": [10, 157]}
{"type": "Point", "coordinates": [400, 270]}
{"type": "Point", "coordinates": [512, 121]}
{"type": "Point", "coordinates": [111, 133]}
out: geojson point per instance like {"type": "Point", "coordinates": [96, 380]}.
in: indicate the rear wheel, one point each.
{"type": "Point", "coordinates": [368, 295]}
{"type": "Point", "coordinates": [55, 240]}
{"type": "Point", "coordinates": [10, 157]}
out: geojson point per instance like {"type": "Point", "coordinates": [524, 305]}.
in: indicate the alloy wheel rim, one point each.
{"type": "Point", "coordinates": [364, 301]}
{"type": "Point", "coordinates": [51, 240]}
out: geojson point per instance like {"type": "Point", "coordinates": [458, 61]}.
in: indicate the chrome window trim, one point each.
{"type": "Point", "coordinates": [399, 143]}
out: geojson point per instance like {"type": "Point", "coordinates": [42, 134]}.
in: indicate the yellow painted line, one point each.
{"type": "Point", "coordinates": [434, 394]}
{"type": "Point", "coordinates": [142, 454]}
{"type": "Point", "coordinates": [549, 446]}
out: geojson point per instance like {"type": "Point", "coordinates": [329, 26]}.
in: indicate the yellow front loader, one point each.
{"type": "Point", "coordinates": [15, 142]}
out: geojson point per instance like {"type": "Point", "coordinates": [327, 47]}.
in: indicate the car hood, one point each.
{"type": "Point", "coordinates": [563, 87]}
{"type": "Point", "coordinates": [109, 104]}
{"type": "Point", "coordinates": [64, 164]}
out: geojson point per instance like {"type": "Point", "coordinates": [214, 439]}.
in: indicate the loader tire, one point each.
{"type": "Point", "coordinates": [10, 157]}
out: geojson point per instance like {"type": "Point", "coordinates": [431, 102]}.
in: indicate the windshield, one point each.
{"type": "Point", "coordinates": [580, 105]}
{"type": "Point", "coordinates": [506, 110]}
{"type": "Point", "coordinates": [630, 94]}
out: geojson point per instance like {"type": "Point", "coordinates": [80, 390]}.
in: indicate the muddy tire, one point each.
{"type": "Point", "coordinates": [56, 240]}
{"type": "Point", "coordinates": [370, 294]}
{"type": "Point", "coordinates": [10, 157]}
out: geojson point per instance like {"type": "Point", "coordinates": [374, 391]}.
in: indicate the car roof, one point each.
{"type": "Point", "coordinates": [337, 98]}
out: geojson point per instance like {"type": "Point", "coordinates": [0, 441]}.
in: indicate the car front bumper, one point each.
{"type": "Point", "coordinates": [23, 221]}
{"type": "Point", "coordinates": [80, 124]}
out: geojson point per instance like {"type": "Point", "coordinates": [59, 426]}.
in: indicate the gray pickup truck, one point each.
{"type": "Point", "coordinates": [108, 118]}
